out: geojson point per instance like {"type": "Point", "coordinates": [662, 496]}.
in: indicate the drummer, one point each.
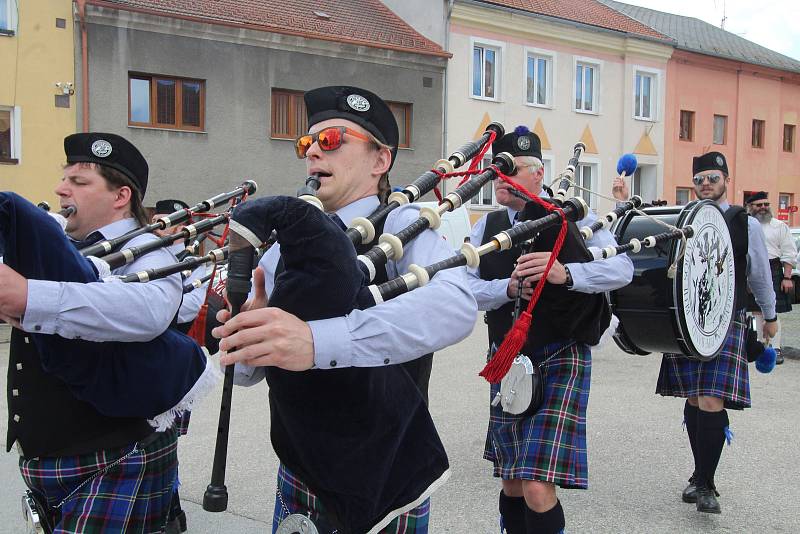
{"type": "Point", "coordinates": [710, 387]}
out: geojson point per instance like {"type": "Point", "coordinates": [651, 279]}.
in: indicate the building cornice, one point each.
{"type": "Point", "coordinates": [725, 64]}
{"type": "Point", "coordinates": [142, 20]}
{"type": "Point", "coordinates": [523, 25]}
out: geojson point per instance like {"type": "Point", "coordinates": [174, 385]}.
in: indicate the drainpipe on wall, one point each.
{"type": "Point", "coordinates": [84, 65]}
{"type": "Point", "coordinates": [446, 69]}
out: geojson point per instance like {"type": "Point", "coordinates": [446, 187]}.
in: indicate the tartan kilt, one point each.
{"type": "Point", "coordinates": [783, 301]}
{"type": "Point", "coordinates": [297, 498]}
{"type": "Point", "coordinates": [182, 423]}
{"type": "Point", "coordinates": [131, 496]}
{"type": "Point", "coordinates": [725, 377]}
{"type": "Point", "coordinates": [549, 446]}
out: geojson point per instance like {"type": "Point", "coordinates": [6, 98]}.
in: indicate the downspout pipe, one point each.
{"type": "Point", "coordinates": [446, 74]}
{"type": "Point", "coordinates": [84, 65]}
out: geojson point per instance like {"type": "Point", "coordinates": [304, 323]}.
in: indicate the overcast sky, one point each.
{"type": "Point", "coordinates": [774, 24]}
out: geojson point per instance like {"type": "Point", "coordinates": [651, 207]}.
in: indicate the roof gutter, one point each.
{"type": "Point", "coordinates": [582, 25]}
{"type": "Point", "coordinates": [268, 29]}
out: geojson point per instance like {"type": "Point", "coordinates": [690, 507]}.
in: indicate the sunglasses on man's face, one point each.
{"type": "Point", "coordinates": [328, 139]}
{"type": "Point", "coordinates": [712, 178]}
{"type": "Point", "coordinates": [760, 204]}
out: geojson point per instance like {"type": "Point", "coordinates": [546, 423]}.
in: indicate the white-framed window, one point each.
{"type": "Point", "coordinates": [587, 175]}
{"type": "Point", "coordinates": [486, 69]}
{"type": "Point", "coordinates": [645, 93]}
{"type": "Point", "coordinates": [587, 85]}
{"type": "Point", "coordinates": [8, 16]}
{"type": "Point", "coordinates": [683, 195]}
{"type": "Point", "coordinates": [547, 163]}
{"type": "Point", "coordinates": [538, 76]}
{"type": "Point", "coordinates": [485, 197]}
{"type": "Point", "coordinates": [644, 182]}
{"type": "Point", "coordinates": [10, 137]}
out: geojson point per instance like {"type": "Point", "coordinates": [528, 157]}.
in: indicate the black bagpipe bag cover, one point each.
{"type": "Point", "coordinates": [131, 379]}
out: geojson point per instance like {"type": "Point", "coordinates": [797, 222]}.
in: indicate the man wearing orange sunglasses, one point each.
{"type": "Point", "coordinates": [351, 146]}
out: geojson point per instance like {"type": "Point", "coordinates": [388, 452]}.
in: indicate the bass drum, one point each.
{"type": "Point", "coordinates": [692, 312]}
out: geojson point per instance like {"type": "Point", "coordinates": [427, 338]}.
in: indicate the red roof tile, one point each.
{"type": "Point", "coordinates": [361, 22]}
{"type": "Point", "coordinates": [589, 12]}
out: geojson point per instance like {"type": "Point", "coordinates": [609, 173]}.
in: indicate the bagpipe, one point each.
{"type": "Point", "coordinates": [154, 380]}
{"type": "Point", "coordinates": [180, 216]}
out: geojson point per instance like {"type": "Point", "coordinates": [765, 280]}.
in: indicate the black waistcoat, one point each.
{"type": "Point", "coordinates": [736, 219]}
{"type": "Point", "coordinates": [560, 314]}
{"type": "Point", "coordinates": [497, 266]}
{"type": "Point", "coordinates": [47, 419]}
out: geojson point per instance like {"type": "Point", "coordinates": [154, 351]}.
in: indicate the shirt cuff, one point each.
{"type": "Point", "coordinates": [41, 309]}
{"type": "Point", "coordinates": [578, 277]}
{"type": "Point", "coordinates": [333, 346]}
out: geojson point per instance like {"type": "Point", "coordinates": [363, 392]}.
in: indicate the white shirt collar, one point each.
{"type": "Point", "coordinates": [359, 208]}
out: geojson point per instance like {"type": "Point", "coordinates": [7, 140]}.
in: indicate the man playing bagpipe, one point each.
{"type": "Point", "coordinates": [534, 453]}
{"type": "Point", "coordinates": [96, 377]}
{"type": "Point", "coordinates": [723, 382]}
{"type": "Point", "coordinates": [373, 457]}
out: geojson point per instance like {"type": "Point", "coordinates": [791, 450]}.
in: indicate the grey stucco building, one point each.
{"type": "Point", "coordinates": [214, 96]}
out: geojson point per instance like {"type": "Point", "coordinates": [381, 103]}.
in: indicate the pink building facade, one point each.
{"type": "Point", "coordinates": [748, 112]}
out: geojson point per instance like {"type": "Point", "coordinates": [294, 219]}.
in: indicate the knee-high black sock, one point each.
{"type": "Point", "coordinates": [512, 511]}
{"type": "Point", "coordinates": [690, 419]}
{"type": "Point", "coordinates": [710, 440]}
{"type": "Point", "coordinates": [549, 522]}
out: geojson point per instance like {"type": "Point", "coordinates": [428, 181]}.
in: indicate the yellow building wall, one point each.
{"type": "Point", "coordinates": [37, 56]}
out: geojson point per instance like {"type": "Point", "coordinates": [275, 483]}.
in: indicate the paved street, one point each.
{"type": "Point", "coordinates": [639, 457]}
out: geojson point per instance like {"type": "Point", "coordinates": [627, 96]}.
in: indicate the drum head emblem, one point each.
{"type": "Point", "coordinates": [707, 281]}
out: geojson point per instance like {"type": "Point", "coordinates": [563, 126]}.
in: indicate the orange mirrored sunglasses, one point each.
{"type": "Point", "coordinates": [328, 139]}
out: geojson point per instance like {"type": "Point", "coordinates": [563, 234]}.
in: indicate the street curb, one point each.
{"type": "Point", "coordinates": [5, 333]}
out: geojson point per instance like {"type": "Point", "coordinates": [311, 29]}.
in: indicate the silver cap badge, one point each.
{"type": "Point", "coordinates": [358, 102]}
{"type": "Point", "coordinates": [101, 148]}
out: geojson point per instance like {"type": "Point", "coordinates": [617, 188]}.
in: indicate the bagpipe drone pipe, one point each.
{"type": "Point", "coordinates": [361, 438]}
{"type": "Point", "coordinates": [153, 379]}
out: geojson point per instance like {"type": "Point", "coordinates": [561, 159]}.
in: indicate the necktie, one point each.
{"type": "Point", "coordinates": [89, 240]}
{"type": "Point", "coordinates": [335, 218]}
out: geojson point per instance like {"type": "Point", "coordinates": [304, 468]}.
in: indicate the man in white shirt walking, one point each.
{"type": "Point", "coordinates": [782, 254]}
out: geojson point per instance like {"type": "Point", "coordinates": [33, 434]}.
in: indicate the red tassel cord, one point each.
{"type": "Point", "coordinates": [498, 366]}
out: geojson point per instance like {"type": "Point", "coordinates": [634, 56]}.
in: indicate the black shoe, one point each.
{"type": "Point", "coordinates": [177, 524]}
{"type": "Point", "coordinates": [707, 501]}
{"type": "Point", "coordinates": [778, 357]}
{"type": "Point", "coordinates": [690, 492]}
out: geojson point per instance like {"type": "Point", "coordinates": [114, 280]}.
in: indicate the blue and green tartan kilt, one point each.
{"type": "Point", "coordinates": [296, 498]}
{"type": "Point", "coordinates": [549, 446]}
{"type": "Point", "coordinates": [725, 377]}
{"type": "Point", "coordinates": [132, 496]}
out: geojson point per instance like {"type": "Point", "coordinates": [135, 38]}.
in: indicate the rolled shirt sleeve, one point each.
{"type": "Point", "coordinates": [759, 276]}
{"type": "Point", "coordinates": [107, 311]}
{"type": "Point", "coordinates": [421, 321]}
{"type": "Point", "coordinates": [600, 275]}
{"type": "Point", "coordinates": [489, 294]}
